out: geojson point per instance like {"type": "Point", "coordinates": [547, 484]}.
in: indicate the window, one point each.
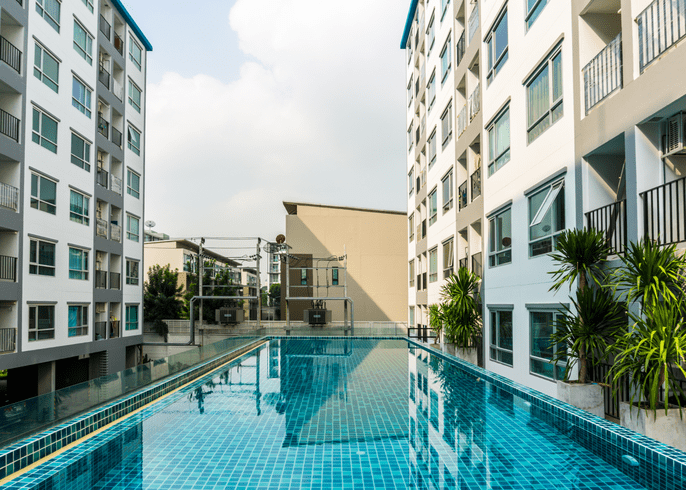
{"type": "Point", "coordinates": [447, 123]}
{"type": "Point", "coordinates": [78, 320]}
{"type": "Point", "coordinates": [134, 139]}
{"type": "Point", "coordinates": [432, 148]}
{"type": "Point", "coordinates": [46, 67]}
{"type": "Point", "coordinates": [410, 176]}
{"type": "Point", "coordinates": [411, 224]}
{"type": "Point", "coordinates": [433, 265]}
{"type": "Point", "coordinates": [133, 183]}
{"type": "Point", "coordinates": [411, 323]}
{"type": "Point", "coordinates": [132, 228]}
{"type": "Point", "coordinates": [500, 238]}
{"type": "Point", "coordinates": [43, 194]}
{"type": "Point", "coordinates": [81, 97]}
{"type": "Point", "coordinates": [444, 7]}
{"type": "Point", "coordinates": [83, 42]}
{"type": "Point", "coordinates": [80, 152]}
{"type": "Point", "coordinates": [448, 258]}
{"type": "Point", "coordinates": [303, 277]}
{"type": "Point", "coordinates": [41, 322]}
{"type": "Point", "coordinates": [42, 258]}
{"type": "Point", "coordinates": [433, 207]}
{"type": "Point", "coordinates": [544, 96]}
{"type": "Point", "coordinates": [134, 96]}
{"type": "Point", "coordinates": [445, 60]}
{"type": "Point", "coordinates": [496, 42]}
{"type": "Point", "coordinates": [501, 336]}
{"type": "Point", "coordinates": [447, 183]}
{"type": "Point", "coordinates": [432, 89]}
{"type": "Point", "coordinates": [410, 137]}
{"type": "Point", "coordinates": [412, 274]}
{"type": "Point", "coordinates": [334, 276]}
{"type": "Point", "coordinates": [135, 53]}
{"type": "Point", "coordinates": [541, 350]}
{"type": "Point", "coordinates": [132, 272]}
{"type": "Point", "coordinates": [89, 4]}
{"type": "Point", "coordinates": [410, 93]}
{"type": "Point", "coordinates": [50, 11]}
{"type": "Point", "coordinates": [499, 142]}
{"type": "Point", "coordinates": [546, 218]}
{"type": "Point", "coordinates": [44, 130]}
{"type": "Point", "coordinates": [131, 317]}
{"type": "Point", "coordinates": [78, 264]}
{"type": "Point", "coordinates": [533, 9]}
{"type": "Point", "coordinates": [78, 208]}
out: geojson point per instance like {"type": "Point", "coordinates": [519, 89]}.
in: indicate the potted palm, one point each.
{"type": "Point", "coordinates": [583, 334]}
{"type": "Point", "coordinates": [461, 314]}
{"type": "Point", "coordinates": [436, 323]}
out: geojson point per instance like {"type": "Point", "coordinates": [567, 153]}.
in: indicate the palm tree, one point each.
{"type": "Point", "coordinates": [580, 254]}
{"type": "Point", "coordinates": [460, 309]}
{"type": "Point", "coordinates": [436, 320]}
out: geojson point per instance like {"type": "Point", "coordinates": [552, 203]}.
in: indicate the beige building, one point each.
{"type": "Point", "coordinates": [376, 248]}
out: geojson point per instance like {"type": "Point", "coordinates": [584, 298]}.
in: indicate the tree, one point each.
{"type": "Point", "coordinates": [275, 295]}
{"type": "Point", "coordinates": [161, 298]}
{"type": "Point", "coordinates": [460, 310]}
{"type": "Point", "coordinates": [220, 284]}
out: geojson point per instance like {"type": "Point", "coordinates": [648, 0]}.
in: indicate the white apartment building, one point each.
{"type": "Point", "coordinates": [72, 171]}
{"type": "Point", "coordinates": [582, 126]}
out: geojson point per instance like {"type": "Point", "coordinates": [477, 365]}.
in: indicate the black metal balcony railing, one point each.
{"type": "Point", "coordinates": [8, 268]}
{"type": "Point", "coordinates": [118, 44]}
{"type": "Point", "coordinates": [424, 283]}
{"type": "Point", "coordinates": [8, 341]}
{"type": "Point", "coordinates": [100, 330]}
{"type": "Point", "coordinates": [660, 26]}
{"type": "Point", "coordinates": [664, 212]}
{"type": "Point", "coordinates": [475, 180]}
{"type": "Point", "coordinates": [10, 54]}
{"type": "Point", "coordinates": [105, 27]}
{"type": "Point", "coordinates": [101, 178]}
{"type": "Point", "coordinates": [101, 279]}
{"type": "Point", "coordinates": [116, 137]}
{"type": "Point", "coordinates": [603, 74]}
{"type": "Point", "coordinates": [473, 21]}
{"type": "Point", "coordinates": [115, 280]}
{"type": "Point", "coordinates": [9, 125]}
{"type": "Point", "coordinates": [423, 228]}
{"type": "Point", "coordinates": [462, 262]}
{"type": "Point", "coordinates": [459, 50]}
{"type": "Point", "coordinates": [9, 196]}
{"type": "Point", "coordinates": [104, 76]}
{"type": "Point", "coordinates": [611, 220]}
{"type": "Point", "coordinates": [462, 195]}
{"type": "Point", "coordinates": [103, 126]}
{"type": "Point", "coordinates": [477, 265]}
{"type": "Point", "coordinates": [419, 282]}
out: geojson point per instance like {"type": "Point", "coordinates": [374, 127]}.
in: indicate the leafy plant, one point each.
{"type": "Point", "coordinates": [461, 307]}
{"type": "Point", "coordinates": [650, 351]}
{"type": "Point", "coordinates": [161, 298]}
{"type": "Point", "coordinates": [580, 254]}
{"type": "Point", "coordinates": [584, 333]}
{"type": "Point", "coordinates": [436, 320]}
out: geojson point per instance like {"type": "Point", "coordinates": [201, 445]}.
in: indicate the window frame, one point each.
{"type": "Point", "coordinates": [553, 104]}
{"type": "Point", "coordinates": [35, 330]}
{"type": "Point", "coordinates": [496, 162]}
{"type": "Point", "coordinates": [83, 217]}
{"type": "Point", "coordinates": [444, 8]}
{"type": "Point", "coordinates": [410, 220]}
{"type": "Point", "coordinates": [86, 52]}
{"type": "Point", "coordinates": [558, 369]}
{"type": "Point", "coordinates": [410, 137]}
{"type": "Point", "coordinates": [433, 205]}
{"type": "Point", "coordinates": [531, 14]}
{"type": "Point", "coordinates": [135, 88]}
{"type": "Point", "coordinates": [448, 178]}
{"type": "Point", "coordinates": [37, 134]}
{"type": "Point", "coordinates": [431, 32]}
{"type": "Point", "coordinates": [79, 274]}
{"type": "Point", "coordinates": [52, 22]}
{"type": "Point", "coordinates": [410, 176]}
{"type": "Point", "coordinates": [433, 264]}
{"type": "Point", "coordinates": [447, 114]}
{"type": "Point", "coordinates": [494, 64]}
{"type": "Point", "coordinates": [132, 324]}
{"type": "Point", "coordinates": [39, 71]}
{"type": "Point", "coordinates": [36, 200]}
{"type": "Point", "coordinates": [432, 90]}
{"type": "Point", "coordinates": [494, 255]}
{"type": "Point", "coordinates": [88, 4]}
{"type": "Point", "coordinates": [448, 265]}
{"type": "Point", "coordinates": [84, 162]}
{"type": "Point", "coordinates": [445, 54]}
{"type": "Point", "coordinates": [35, 263]}
{"type": "Point", "coordinates": [133, 43]}
{"type": "Point", "coordinates": [82, 106]}
{"type": "Point", "coordinates": [303, 277]}
{"type": "Point", "coordinates": [433, 147]}
{"type": "Point", "coordinates": [130, 235]}
{"type": "Point", "coordinates": [495, 345]}
{"type": "Point", "coordinates": [558, 188]}
{"type": "Point", "coordinates": [412, 273]}
{"type": "Point", "coordinates": [131, 146]}
{"type": "Point", "coordinates": [135, 192]}
{"type": "Point", "coordinates": [81, 317]}
{"type": "Point", "coordinates": [131, 278]}
{"type": "Point", "coordinates": [410, 92]}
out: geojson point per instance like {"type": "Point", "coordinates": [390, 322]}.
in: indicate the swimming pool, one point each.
{"type": "Point", "coordinates": [343, 413]}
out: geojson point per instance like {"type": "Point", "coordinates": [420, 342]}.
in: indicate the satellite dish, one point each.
{"type": "Point", "coordinates": [271, 248]}
{"type": "Point", "coordinates": [150, 223]}
{"type": "Point", "coordinates": [280, 238]}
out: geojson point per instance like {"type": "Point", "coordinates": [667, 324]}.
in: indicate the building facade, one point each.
{"type": "Point", "coordinates": [582, 127]}
{"type": "Point", "coordinates": [72, 170]}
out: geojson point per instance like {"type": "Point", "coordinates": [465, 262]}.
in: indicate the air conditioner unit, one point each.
{"type": "Point", "coordinates": [674, 135]}
{"type": "Point", "coordinates": [317, 316]}
{"type": "Point", "coordinates": [229, 315]}
{"type": "Point", "coordinates": [100, 308]}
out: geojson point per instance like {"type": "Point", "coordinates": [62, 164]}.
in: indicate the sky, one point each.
{"type": "Point", "coordinates": [251, 103]}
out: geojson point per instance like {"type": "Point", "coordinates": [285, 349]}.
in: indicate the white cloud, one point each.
{"type": "Point", "coordinates": [317, 115]}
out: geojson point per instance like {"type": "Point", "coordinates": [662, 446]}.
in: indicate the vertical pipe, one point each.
{"type": "Point", "coordinates": [201, 274]}
{"type": "Point", "coordinates": [288, 291]}
{"type": "Point", "coordinates": [259, 287]}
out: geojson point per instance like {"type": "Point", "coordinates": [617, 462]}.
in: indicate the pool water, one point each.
{"type": "Point", "coordinates": [332, 413]}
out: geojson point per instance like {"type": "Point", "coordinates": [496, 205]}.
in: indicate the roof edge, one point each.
{"type": "Point", "coordinates": [291, 208]}
{"type": "Point", "coordinates": [132, 23]}
{"type": "Point", "coordinates": [408, 23]}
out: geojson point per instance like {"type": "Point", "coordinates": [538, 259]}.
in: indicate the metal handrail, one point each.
{"type": "Point", "coordinates": [475, 102]}
{"type": "Point", "coordinates": [101, 177]}
{"type": "Point", "coordinates": [115, 232]}
{"type": "Point", "coordinates": [101, 279]}
{"type": "Point", "coordinates": [103, 126]}
{"type": "Point", "coordinates": [9, 125]}
{"type": "Point", "coordinates": [603, 74]}
{"type": "Point", "coordinates": [8, 268]}
{"type": "Point", "coordinates": [664, 213]}
{"type": "Point", "coordinates": [10, 54]}
{"type": "Point", "coordinates": [462, 195]}
{"type": "Point", "coordinates": [100, 228]}
{"type": "Point", "coordinates": [660, 26]}
{"type": "Point", "coordinates": [9, 196]}
{"type": "Point", "coordinates": [611, 220]}
{"type": "Point", "coordinates": [105, 27]}
{"type": "Point", "coordinates": [475, 180]}
{"type": "Point", "coordinates": [8, 340]}
{"type": "Point", "coordinates": [115, 280]}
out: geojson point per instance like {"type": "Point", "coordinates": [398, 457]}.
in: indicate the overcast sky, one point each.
{"type": "Point", "coordinates": [250, 103]}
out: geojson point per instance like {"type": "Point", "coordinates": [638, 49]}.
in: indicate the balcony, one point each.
{"type": "Point", "coordinates": [8, 268]}
{"type": "Point", "coordinates": [475, 102]}
{"type": "Point", "coordinates": [8, 341]}
{"type": "Point", "coordinates": [660, 26]}
{"type": "Point", "coordinates": [663, 212]}
{"type": "Point", "coordinates": [105, 27]}
{"type": "Point", "coordinates": [473, 21]}
{"type": "Point", "coordinates": [104, 77]}
{"type": "Point", "coordinates": [9, 197]}
{"type": "Point", "coordinates": [462, 195]}
{"type": "Point", "coordinates": [101, 330]}
{"type": "Point", "coordinates": [119, 44]}
{"type": "Point", "coordinates": [611, 220]}
{"type": "Point", "coordinates": [101, 177]}
{"type": "Point", "coordinates": [101, 227]}
{"type": "Point", "coordinates": [9, 125]}
{"type": "Point", "coordinates": [115, 184]}
{"type": "Point", "coordinates": [462, 120]}
{"type": "Point", "coordinates": [603, 74]}
{"type": "Point", "coordinates": [103, 126]}
{"type": "Point", "coordinates": [115, 232]}
{"type": "Point", "coordinates": [459, 50]}
{"type": "Point", "coordinates": [118, 89]}
{"type": "Point", "coordinates": [477, 265]}
{"type": "Point", "coordinates": [101, 279]}
{"type": "Point", "coordinates": [115, 280]}
{"type": "Point", "coordinates": [10, 54]}
{"type": "Point", "coordinates": [475, 180]}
